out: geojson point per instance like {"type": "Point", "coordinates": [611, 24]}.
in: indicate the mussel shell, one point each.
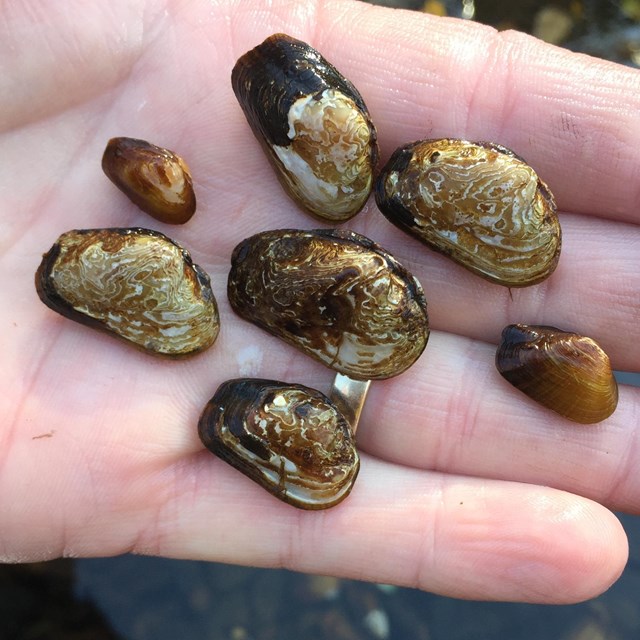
{"type": "Point", "coordinates": [135, 284]}
{"type": "Point", "coordinates": [290, 439]}
{"type": "Point", "coordinates": [477, 203]}
{"type": "Point", "coordinates": [155, 179]}
{"type": "Point", "coordinates": [335, 295]}
{"type": "Point", "coordinates": [563, 371]}
{"type": "Point", "coordinates": [312, 123]}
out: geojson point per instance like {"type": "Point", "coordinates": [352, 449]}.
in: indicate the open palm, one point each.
{"type": "Point", "coordinates": [467, 488]}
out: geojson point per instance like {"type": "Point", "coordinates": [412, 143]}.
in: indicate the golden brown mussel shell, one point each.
{"type": "Point", "coordinates": [290, 439]}
{"type": "Point", "coordinates": [136, 284]}
{"type": "Point", "coordinates": [563, 371]}
{"type": "Point", "coordinates": [476, 202]}
{"type": "Point", "coordinates": [155, 179]}
{"type": "Point", "coordinates": [311, 122]}
{"type": "Point", "coordinates": [335, 295]}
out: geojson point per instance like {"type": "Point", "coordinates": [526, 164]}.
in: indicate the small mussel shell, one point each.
{"type": "Point", "coordinates": [136, 284]}
{"type": "Point", "coordinates": [155, 179]}
{"type": "Point", "coordinates": [312, 124]}
{"type": "Point", "coordinates": [563, 371]}
{"type": "Point", "coordinates": [290, 439]}
{"type": "Point", "coordinates": [477, 203]}
{"type": "Point", "coordinates": [335, 295]}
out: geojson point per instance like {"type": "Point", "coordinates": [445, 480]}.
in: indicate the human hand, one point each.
{"type": "Point", "coordinates": [466, 487]}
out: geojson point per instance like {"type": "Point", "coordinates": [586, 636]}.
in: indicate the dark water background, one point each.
{"type": "Point", "coordinates": [135, 598]}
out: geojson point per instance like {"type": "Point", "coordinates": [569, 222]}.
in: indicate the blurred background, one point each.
{"type": "Point", "coordinates": [605, 28]}
{"type": "Point", "coordinates": [135, 598]}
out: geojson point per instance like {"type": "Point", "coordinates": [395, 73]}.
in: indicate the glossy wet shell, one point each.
{"type": "Point", "coordinates": [333, 294]}
{"type": "Point", "coordinates": [477, 203]}
{"type": "Point", "coordinates": [290, 439]}
{"type": "Point", "coordinates": [156, 179]}
{"type": "Point", "coordinates": [563, 371]}
{"type": "Point", "coordinates": [135, 284]}
{"type": "Point", "coordinates": [312, 123]}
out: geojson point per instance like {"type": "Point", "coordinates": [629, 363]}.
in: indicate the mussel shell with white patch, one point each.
{"type": "Point", "coordinates": [290, 439]}
{"type": "Point", "coordinates": [312, 123]}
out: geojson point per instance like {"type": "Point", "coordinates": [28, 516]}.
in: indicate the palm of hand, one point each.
{"type": "Point", "coordinates": [100, 453]}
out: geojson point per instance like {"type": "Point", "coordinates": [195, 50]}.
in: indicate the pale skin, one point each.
{"type": "Point", "coordinates": [467, 488]}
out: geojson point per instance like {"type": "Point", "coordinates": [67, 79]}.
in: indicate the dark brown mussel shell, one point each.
{"type": "Point", "coordinates": [477, 203]}
{"type": "Point", "coordinates": [290, 439]}
{"type": "Point", "coordinates": [563, 371]}
{"type": "Point", "coordinates": [135, 284]}
{"type": "Point", "coordinates": [312, 123]}
{"type": "Point", "coordinates": [335, 295]}
{"type": "Point", "coordinates": [156, 179]}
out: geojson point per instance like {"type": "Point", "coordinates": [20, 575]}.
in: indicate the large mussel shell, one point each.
{"type": "Point", "coordinates": [335, 295]}
{"type": "Point", "coordinates": [563, 371]}
{"type": "Point", "coordinates": [477, 203]}
{"type": "Point", "coordinates": [290, 439]}
{"type": "Point", "coordinates": [312, 123]}
{"type": "Point", "coordinates": [135, 284]}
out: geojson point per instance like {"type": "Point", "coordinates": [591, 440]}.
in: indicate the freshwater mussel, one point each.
{"type": "Point", "coordinates": [290, 439]}
{"type": "Point", "coordinates": [334, 294]}
{"type": "Point", "coordinates": [476, 202]}
{"type": "Point", "coordinates": [561, 370]}
{"type": "Point", "coordinates": [312, 123]}
{"type": "Point", "coordinates": [135, 284]}
{"type": "Point", "coordinates": [155, 179]}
